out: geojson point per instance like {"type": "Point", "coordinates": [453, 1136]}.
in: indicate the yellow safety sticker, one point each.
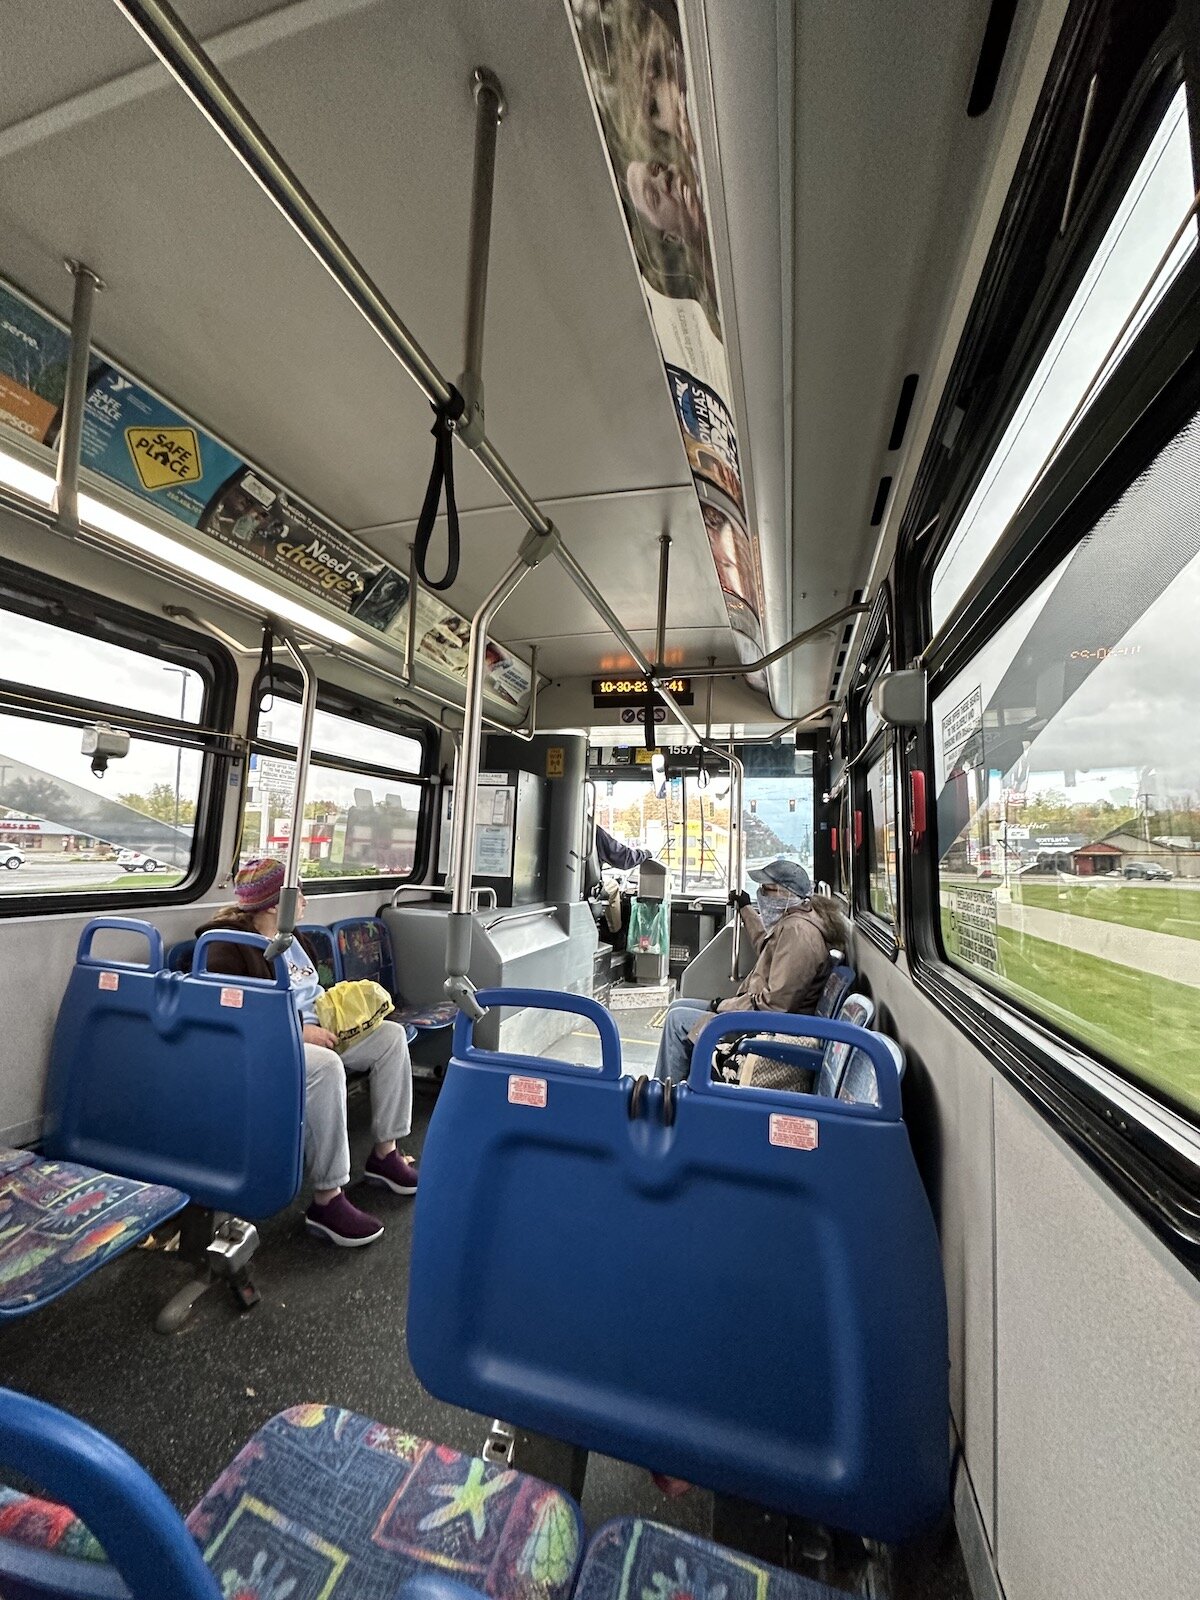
{"type": "Point", "coordinates": [164, 456]}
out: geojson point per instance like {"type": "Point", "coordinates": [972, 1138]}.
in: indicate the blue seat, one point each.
{"type": "Point", "coordinates": [629, 1559]}
{"type": "Point", "coordinates": [60, 1222]}
{"type": "Point", "coordinates": [320, 1502]}
{"type": "Point", "coordinates": [804, 1055]}
{"type": "Point", "coordinates": [364, 950]}
{"type": "Point", "coordinates": [179, 956]}
{"type": "Point", "coordinates": [568, 1216]}
{"type": "Point", "coordinates": [321, 942]}
{"type": "Point", "coordinates": [191, 1080]}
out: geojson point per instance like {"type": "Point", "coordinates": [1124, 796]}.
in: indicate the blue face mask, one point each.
{"type": "Point", "coordinates": [772, 906]}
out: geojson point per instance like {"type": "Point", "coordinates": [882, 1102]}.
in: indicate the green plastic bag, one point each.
{"type": "Point", "coordinates": [649, 927]}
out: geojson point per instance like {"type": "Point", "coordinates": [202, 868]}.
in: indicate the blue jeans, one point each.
{"type": "Point", "coordinates": [674, 1057]}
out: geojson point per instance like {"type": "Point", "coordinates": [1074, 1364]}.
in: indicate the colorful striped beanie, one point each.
{"type": "Point", "coordinates": [258, 884]}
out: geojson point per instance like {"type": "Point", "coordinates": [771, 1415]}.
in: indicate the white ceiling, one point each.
{"type": "Point", "coordinates": [212, 299]}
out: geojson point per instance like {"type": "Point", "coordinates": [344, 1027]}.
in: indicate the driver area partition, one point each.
{"type": "Point", "coordinates": [739, 1288]}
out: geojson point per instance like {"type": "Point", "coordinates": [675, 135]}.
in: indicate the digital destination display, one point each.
{"type": "Point", "coordinates": [618, 691]}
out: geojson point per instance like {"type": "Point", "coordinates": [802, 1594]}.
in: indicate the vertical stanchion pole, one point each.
{"type": "Point", "coordinates": [489, 113]}
{"type": "Point", "coordinates": [66, 481]}
{"type": "Point", "coordinates": [664, 567]}
{"type": "Point", "coordinates": [410, 643]}
{"type": "Point", "coordinates": [289, 898]}
{"type": "Point", "coordinates": [458, 927]}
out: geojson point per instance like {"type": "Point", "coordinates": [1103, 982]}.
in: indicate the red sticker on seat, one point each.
{"type": "Point", "coordinates": [526, 1091]}
{"type": "Point", "coordinates": [232, 997]}
{"type": "Point", "coordinates": [794, 1133]}
{"type": "Point", "coordinates": [110, 980]}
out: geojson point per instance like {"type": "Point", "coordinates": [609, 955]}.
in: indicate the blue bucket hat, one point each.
{"type": "Point", "coordinates": [787, 874]}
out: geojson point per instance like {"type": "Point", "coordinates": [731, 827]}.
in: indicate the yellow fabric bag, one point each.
{"type": "Point", "coordinates": [353, 1010]}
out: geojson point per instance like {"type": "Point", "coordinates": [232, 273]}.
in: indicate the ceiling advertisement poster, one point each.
{"type": "Point", "coordinates": [635, 59]}
{"type": "Point", "coordinates": [136, 440]}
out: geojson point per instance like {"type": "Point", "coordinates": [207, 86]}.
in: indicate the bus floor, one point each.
{"type": "Point", "coordinates": [329, 1327]}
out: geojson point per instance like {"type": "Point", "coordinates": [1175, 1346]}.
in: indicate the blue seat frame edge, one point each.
{"type": "Point", "coordinates": [534, 1207]}
{"type": "Point", "coordinates": [141, 1532]}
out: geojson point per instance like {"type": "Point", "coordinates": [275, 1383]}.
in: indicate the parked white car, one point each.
{"type": "Point", "coordinates": [135, 861]}
{"type": "Point", "coordinates": [10, 857]}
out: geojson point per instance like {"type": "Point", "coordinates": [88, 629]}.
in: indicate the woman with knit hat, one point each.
{"type": "Point", "coordinates": [383, 1054]}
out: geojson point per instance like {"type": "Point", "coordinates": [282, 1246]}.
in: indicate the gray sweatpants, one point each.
{"type": "Point", "coordinates": [384, 1055]}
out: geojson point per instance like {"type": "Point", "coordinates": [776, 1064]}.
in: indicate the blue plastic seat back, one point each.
{"type": "Point", "coordinates": [837, 986]}
{"type": "Point", "coordinates": [179, 956]}
{"type": "Point", "coordinates": [364, 950]}
{"type": "Point", "coordinates": [746, 1294]}
{"type": "Point", "coordinates": [139, 1530]}
{"type": "Point", "coordinates": [860, 1084]}
{"type": "Point", "coordinates": [858, 1010]}
{"type": "Point", "coordinates": [191, 1080]}
{"type": "Point", "coordinates": [324, 948]}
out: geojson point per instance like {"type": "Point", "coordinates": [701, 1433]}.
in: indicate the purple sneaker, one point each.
{"type": "Point", "coordinates": [343, 1224]}
{"type": "Point", "coordinates": [395, 1170]}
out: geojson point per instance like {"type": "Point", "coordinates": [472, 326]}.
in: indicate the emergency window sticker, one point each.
{"type": "Point", "coordinates": [526, 1091]}
{"type": "Point", "coordinates": [110, 980]}
{"type": "Point", "coordinates": [793, 1133]}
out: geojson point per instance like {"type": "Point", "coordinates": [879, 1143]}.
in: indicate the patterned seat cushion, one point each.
{"type": "Point", "coordinates": [43, 1525]}
{"type": "Point", "coordinates": [325, 1505]}
{"type": "Point", "coordinates": [634, 1560]}
{"type": "Point", "coordinates": [59, 1222]}
{"type": "Point", "coordinates": [433, 1016]}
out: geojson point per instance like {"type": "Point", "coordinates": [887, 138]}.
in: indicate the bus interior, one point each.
{"type": "Point", "coordinates": [530, 508]}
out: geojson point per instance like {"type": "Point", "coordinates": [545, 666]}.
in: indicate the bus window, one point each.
{"type": "Point", "coordinates": [362, 804]}
{"type": "Point", "coordinates": [777, 805]}
{"type": "Point", "coordinates": [69, 824]}
{"type": "Point", "coordinates": [1125, 263]}
{"type": "Point", "coordinates": [879, 836]}
{"type": "Point", "coordinates": [1067, 758]}
{"type": "Point", "coordinates": [686, 827]}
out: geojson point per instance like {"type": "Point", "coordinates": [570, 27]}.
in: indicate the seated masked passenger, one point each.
{"type": "Point", "coordinates": [383, 1054]}
{"type": "Point", "coordinates": [794, 935]}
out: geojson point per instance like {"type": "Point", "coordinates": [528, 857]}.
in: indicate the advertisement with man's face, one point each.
{"type": "Point", "coordinates": [635, 59]}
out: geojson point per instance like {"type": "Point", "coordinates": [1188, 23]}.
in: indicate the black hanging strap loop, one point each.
{"type": "Point", "coordinates": [444, 415]}
{"type": "Point", "coordinates": [266, 667]}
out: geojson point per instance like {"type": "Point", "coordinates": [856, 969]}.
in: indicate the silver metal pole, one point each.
{"type": "Point", "coordinates": [736, 792]}
{"type": "Point", "coordinates": [458, 925]}
{"type": "Point", "coordinates": [664, 565]}
{"type": "Point", "coordinates": [191, 68]}
{"type": "Point", "coordinates": [747, 669]}
{"type": "Point", "coordinates": [489, 113]}
{"type": "Point", "coordinates": [290, 897]}
{"type": "Point", "coordinates": [65, 504]}
{"type": "Point", "coordinates": [410, 642]}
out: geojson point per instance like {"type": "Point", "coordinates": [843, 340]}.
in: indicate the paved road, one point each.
{"type": "Point", "coordinates": [61, 875]}
{"type": "Point", "coordinates": [1145, 949]}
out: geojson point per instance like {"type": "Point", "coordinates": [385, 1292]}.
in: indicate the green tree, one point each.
{"type": "Point", "coordinates": [160, 804]}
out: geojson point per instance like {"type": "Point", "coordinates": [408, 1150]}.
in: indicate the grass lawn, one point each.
{"type": "Point", "coordinates": [1148, 1024]}
{"type": "Point", "coordinates": [1164, 910]}
{"type": "Point", "coordinates": [137, 880]}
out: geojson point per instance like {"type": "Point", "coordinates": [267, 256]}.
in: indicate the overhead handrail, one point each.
{"type": "Point", "coordinates": [193, 70]}
{"type": "Point", "coordinates": [188, 64]}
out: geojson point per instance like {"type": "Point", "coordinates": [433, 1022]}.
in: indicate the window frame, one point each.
{"type": "Point", "coordinates": [1144, 1147]}
{"type": "Point", "coordinates": [874, 660]}
{"type": "Point", "coordinates": [344, 703]}
{"type": "Point", "coordinates": [80, 611]}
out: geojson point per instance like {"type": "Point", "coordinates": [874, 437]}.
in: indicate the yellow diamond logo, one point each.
{"type": "Point", "coordinates": [164, 456]}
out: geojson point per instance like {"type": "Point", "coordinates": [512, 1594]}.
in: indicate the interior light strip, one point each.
{"type": "Point", "coordinates": [38, 486]}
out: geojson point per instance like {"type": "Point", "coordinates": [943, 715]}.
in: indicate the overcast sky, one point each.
{"type": "Point", "coordinates": [1137, 239]}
